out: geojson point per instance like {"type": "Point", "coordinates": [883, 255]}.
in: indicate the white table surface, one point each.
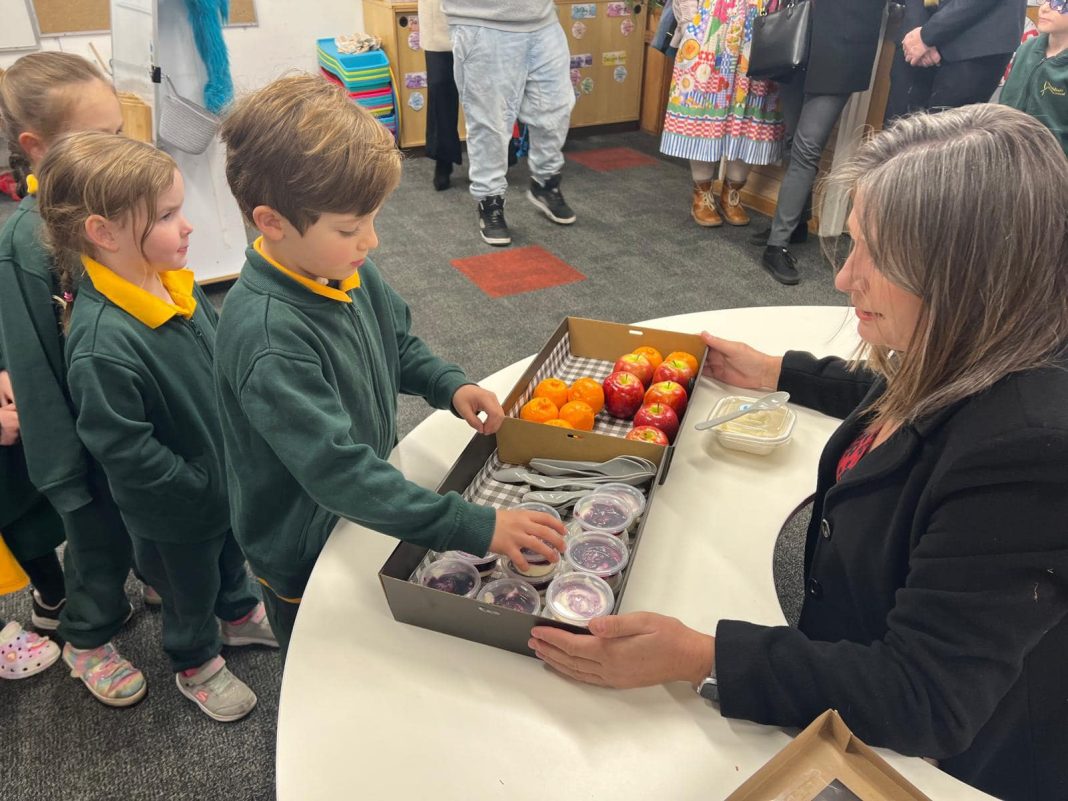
{"type": "Point", "coordinates": [373, 708]}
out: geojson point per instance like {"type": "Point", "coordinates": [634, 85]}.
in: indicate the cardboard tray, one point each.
{"type": "Point", "coordinates": [517, 442]}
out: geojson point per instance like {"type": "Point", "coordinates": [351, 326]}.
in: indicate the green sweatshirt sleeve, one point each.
{"type": "Point", "coordinates": [113, 424]}
{"type": "Point", "coordinates": [299, 414]}
{"type": "Point", "coordinates": [421, 372]}
{"type": "Point", "coordinates": [28, 330]}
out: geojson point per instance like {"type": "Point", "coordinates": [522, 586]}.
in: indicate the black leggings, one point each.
{"type": "Point", "coordinates": [46, 575]}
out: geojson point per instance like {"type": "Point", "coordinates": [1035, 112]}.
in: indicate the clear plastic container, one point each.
{"type": "Point", "coordinates": [578, 598]}
{"type": "Point", "coordinates": [632, 495]}
{"type": "Point", "coordinates": [451, 575]}
{"type": "Point", "coordinates": [533, 556]}
{"type": "Point", "coordinates": [538, 574]}
{"type": "Point", "coordinates": [603, 555]}
{"type": "Point", "coordinates": [604, 513]}
{"type": "Point", "coordinates": [511, 593]}
{"type": "Point", "coordinates": [485, 565]}
{"type": "Point", "coordinates": [760, 432]}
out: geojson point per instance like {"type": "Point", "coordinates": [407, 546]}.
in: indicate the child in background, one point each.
{"type": "Point", "coordinates": [1038, 83]}
{"type": "Point", "coordinates": [42, 96]}
{"type": "Point", "coordinates": [314, 347]}
{"type": "Point", "coordinates": [139, 368]}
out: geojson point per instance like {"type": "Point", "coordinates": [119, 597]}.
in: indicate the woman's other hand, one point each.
{"type": "Point", "coordinates": [641, 649]}
{"type": "Point", "coordinates": [738, 364]}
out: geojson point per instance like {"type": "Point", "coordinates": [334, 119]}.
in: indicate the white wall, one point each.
{"type": "Point", "coordinates": [283, 40]}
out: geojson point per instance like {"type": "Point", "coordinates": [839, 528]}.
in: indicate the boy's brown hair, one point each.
{"type": "Point", "coordinates": [300, 146]}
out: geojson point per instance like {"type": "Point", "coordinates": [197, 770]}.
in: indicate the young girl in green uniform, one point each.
{"type": "Point", "coordinates": [42, 96]}
{"type": "Point", "coordinates": [140, 348]}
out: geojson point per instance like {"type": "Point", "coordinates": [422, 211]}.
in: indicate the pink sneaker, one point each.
{"type": "Point", "coordinates": [24, 653]}
{"type": "Point", "coordinates": [106, 673]}
{"type": "Point", "coordinates": [253, 629]}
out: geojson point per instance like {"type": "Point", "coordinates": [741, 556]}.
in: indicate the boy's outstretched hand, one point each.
{"type": "Point", "coordinates": [469, 400]}
{"type": "Point", "coordinates": [537, 531]}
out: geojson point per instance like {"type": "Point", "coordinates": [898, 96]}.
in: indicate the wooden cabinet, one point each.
{"type": "Point", "coordinates": [606, 40]}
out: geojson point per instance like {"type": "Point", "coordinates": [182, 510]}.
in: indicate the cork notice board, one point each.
{"type": "Point", "coordinates": [57, 17]}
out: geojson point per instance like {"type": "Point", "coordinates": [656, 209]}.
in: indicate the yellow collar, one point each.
{"type": "Point", "coordinates": [340, 294]}
{"type": "Point", "coordinates": [137, 302]}
{"type": "Point", "coordinates": [31, 184]}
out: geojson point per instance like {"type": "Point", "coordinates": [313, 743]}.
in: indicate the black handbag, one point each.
{"type": "Point", "coordinates": [780, 41]}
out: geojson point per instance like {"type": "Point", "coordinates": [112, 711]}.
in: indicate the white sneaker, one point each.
{"type": "Point", "coordinates": [218, 692]}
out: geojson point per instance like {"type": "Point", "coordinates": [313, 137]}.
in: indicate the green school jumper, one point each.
{"type": "Point", "coordinates": [140, 375]}
{"type": "Point", "coordinates": [308, 378]}
{"type": "Point", "coordinates": [1038, 86]}
{"type": "Point", "coordinates": [98, 556]}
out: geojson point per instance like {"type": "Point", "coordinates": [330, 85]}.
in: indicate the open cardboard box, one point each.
{"type": "Point", "coordinates": [517, 442]}
{"type": "Point", "coordinates": [827, 762]}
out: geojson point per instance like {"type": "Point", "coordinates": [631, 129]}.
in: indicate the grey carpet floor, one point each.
{"type": "Point", "coordinates": [642, 258]}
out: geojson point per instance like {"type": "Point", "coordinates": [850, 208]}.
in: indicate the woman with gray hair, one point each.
{"type": "Point", "coordinates": [936, 562]}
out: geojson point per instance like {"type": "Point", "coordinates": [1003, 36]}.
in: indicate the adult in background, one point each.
{"type": "Point", "coordinates": [936, 563]}
{"type": "Point", "coordinates": [442, 98]}
{"type": "Point", "coordinates": [715, 112]}
{"type": "Point", "coordinates": [845, 40]}
{"type": "Point", "coordinates": [953, 52]}
{"type": "Point", "coordinates": [511, 61]}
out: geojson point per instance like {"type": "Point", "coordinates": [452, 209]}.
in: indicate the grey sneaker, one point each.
{"type": "Point", "coordinates": [218, 692]}
{"type": "Point", "coordinates": [253, 630]}
{"type": "Point", "coordinates": [150, 596]}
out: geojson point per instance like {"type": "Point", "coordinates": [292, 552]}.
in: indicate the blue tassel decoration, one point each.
{"type": "Point", "coordinates": [207, 18]}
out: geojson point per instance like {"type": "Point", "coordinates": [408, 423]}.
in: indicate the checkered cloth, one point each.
{"type": "Point", "coordinates": [562, 364]}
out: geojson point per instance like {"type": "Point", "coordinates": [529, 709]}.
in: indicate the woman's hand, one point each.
{"type": "Point", "coordinates": [470, 399]}
{"type": "Point", "coordinates": [738, 364]}
{"type": "Point", "coordinates": [641, 649]}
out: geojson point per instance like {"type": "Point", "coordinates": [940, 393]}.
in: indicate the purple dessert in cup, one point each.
{"type": "Point", "coordinates": [511, 593]}
{"type": "Point", "coordinates": [603, 555]}
{"type": "Point", "coordinates": [450, 575]}
{"type": "Point", "coordinates": [604, 513]}
{"type": "Point", "coordinates": [578, 598]}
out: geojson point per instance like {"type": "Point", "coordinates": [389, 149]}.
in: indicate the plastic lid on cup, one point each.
{"type": "Point", "coordinates": [634, 496]}
{"type": "Point", "coordinates": [536, 572]}
{"type": "Point", "coordinates": [578, 598]}
{"type": "Point", "coordinates": [470, 558]}
{"type": "Point", "coordinates": [451, 575]}
{"type": "Point", "coordinates": [603, 555]}
{"type": "Point", "coordinates": [511, 593]}
{"type": "Point", "coordinates": [604, 512]}
{"type": "Point", "coordinates": [530, 555]}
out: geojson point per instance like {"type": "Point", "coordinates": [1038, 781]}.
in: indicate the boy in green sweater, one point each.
{"type": "Point", "coordinates": [1038, 83]}
{"type": "Point", "coordinates": [314, 347]}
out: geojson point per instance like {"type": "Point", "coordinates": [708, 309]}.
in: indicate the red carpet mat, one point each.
{"type": "Point", "coordinates": [609, 159]}
{"type": "Point", "coordinates": [512, 271]}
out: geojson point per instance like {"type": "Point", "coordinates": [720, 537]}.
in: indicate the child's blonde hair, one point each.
{"type": "Point", "coordinates": [92, 173]}
{"type": "Point", "coordinates": [38, 93]}
{"type": "Point", "coordinates": [301, 147]}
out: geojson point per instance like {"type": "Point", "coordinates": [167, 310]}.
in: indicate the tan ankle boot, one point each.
{"type": "Point", "coordinates": [730, 201]}
{"type": "Point", "coordinates": [703, 210]}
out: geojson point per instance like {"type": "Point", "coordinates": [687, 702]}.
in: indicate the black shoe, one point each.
{"type": "Point", "coordinates": [547, 197]}
{"type": "Point", "coordinates": [798, 237]}
{"type": "Point", "coordinates": [43, 616]}
{"type": "Point", "coordinates": [491, 222]}
{"type": "Point", "coordinates": [442, 173]}
{"type": "Point", "coordinates": [781, 265]}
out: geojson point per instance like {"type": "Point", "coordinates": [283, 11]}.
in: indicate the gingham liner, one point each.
{"type": "Point", "coordinates": [568, 368]}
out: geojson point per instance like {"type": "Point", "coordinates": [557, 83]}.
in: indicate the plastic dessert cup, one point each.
{"type": "Point", "coordinates": [760, 432]}
{"type": "Point", "coordinates": [485, 565]}
{"type": "Point", "coordinates": [603, 555]}
{"type": "Point", "coordinates": [538, 574]}
{"type": "Point", "coordinates": [632, 495]}
{"type": "Point", "coordinates": [451, 575]}
{"type": "Point", "coordinates": [604, 513]}
{"type": "Point", "coordinates": [511, 593]}
{"type": "Point", "coordinates": [578, 598]}
{"type": "Point", "coordinates": [533, 556]}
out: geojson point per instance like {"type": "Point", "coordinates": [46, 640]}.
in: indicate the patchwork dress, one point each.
{"type": "Point", "coordinates": [714, 110]}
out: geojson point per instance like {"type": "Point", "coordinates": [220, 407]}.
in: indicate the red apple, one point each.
{"type": "Point", "coordinates": [658, 415]}
{"type": "Point", "coordinates": [648, 434]}
{"type": "Point", "coordinates": [669, 392]}
{"type": "Point", "coordinates": [636, 364]}
{"type": "Point", "coordinates": [623, 393]}
{"type": "Point", "coordinates": [674, 370]}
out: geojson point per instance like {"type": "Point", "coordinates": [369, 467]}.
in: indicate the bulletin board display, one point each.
{"type": "Point", "coordinates": [60, 17]}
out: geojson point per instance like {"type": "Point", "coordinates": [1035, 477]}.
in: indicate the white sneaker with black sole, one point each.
{"type": "Point", "coordinates": [548, 199]}
{"type": "Point", "coordinates": [491, 224]}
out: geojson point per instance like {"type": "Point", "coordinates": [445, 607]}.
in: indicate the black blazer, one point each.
{"type": "Point", "coordinates": [964, 29]}
{"type": "Point", "coordinates": [845, 40]}
{"type": "Point", "coordinates": [936, 586]}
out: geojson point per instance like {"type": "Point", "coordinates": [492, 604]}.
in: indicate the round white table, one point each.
{"type": "Point", "coordinates": [373, 708]}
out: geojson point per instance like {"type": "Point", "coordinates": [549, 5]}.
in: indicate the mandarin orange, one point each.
{"type": "Point", "coordinates": [538, 410]}
{"type": "Point", "coordinates": [579, 414]}
{"type": "Point", "coordinates": [650, 353]}
{"type": "Point", "coordinates": [552, 388]}
{"type": "Point", "coordinates": [559, 423]}
{"type": "Point", "coordinates": [587, 390]}
{"type": "Point", "coordinates": [689, 358]}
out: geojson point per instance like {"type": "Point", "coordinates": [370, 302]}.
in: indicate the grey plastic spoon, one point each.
{"type": "Point", "coordinates": [517, 475]}
{"type": "Point", "coordinates": [771, 401]}
{"type": "Point", "coordinates": [617, 466]}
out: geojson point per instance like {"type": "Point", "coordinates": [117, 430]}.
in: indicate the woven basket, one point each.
{"type": "Point", "coordinates": [184, 124]}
